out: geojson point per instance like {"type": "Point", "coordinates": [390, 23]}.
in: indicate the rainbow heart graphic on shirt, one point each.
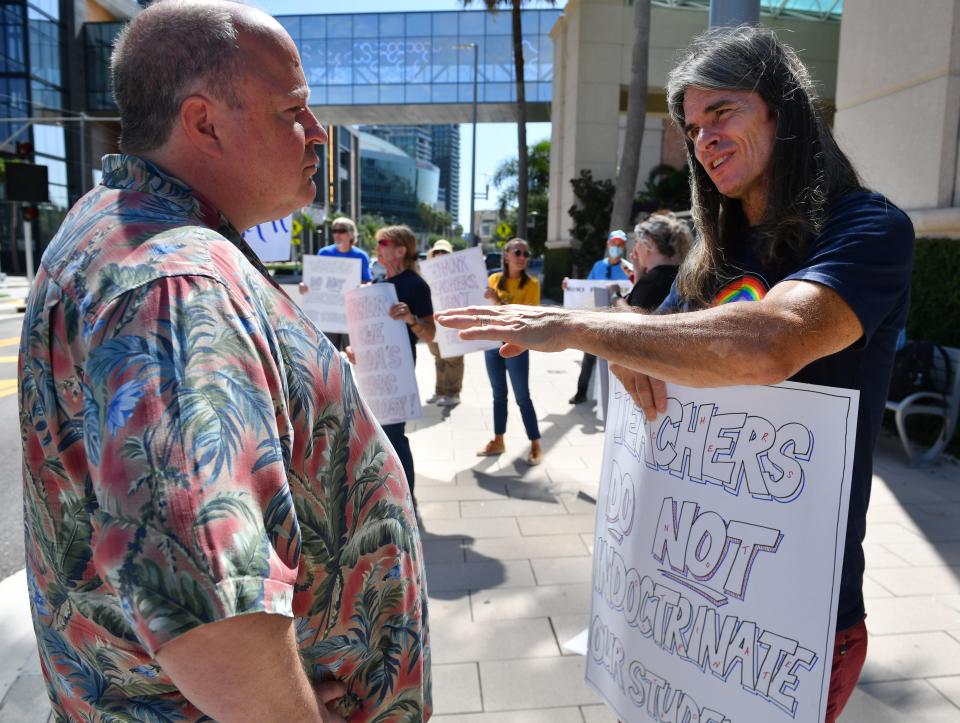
{"type": "Point", "coordinates": [746, 288]}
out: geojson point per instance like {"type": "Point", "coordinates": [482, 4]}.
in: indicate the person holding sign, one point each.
{"type": "Point", "coordinates": [449, 371]}
{"type": "Point", "coordinates": [784, 224]}
{"type": "Point", "coordinates": [397, 251]}
{"type": "Point", "coordinates": [609, 268]}
{"type": "Point", "coordinates": [512, 285]}
{"type": "Point", "coordinates": [344, 232]}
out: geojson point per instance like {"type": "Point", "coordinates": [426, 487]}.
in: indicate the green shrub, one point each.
{"type": "Point", "coordinates": [556, 265]}
{"type": "Point", "coordinates": [935, 292]}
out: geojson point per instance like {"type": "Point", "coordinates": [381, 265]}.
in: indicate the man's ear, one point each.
{"type": "Point", "coordinates": [197, 120]}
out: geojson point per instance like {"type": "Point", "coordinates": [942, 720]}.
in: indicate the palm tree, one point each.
{"type": "Point", "coordinates": [636, 117]}
{"type": "Point", "coordinates": [515, 5]}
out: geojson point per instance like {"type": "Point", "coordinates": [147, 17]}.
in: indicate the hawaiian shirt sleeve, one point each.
{"type": "Point", "coordinates": [181, 431]}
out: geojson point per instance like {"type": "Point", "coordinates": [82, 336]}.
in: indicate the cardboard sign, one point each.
{"type": "Point", "coordinates": [717, 553]}
{"type": "Point", "coordinates": [384, 370]}
{"type": "Point", "coordinates": [271, 240]}
{"type": "Point", "coordinates": [583, 294]}
{"type": "Point", "coordinates": [328, 279]}
{"type": "Point", "coordinates": [456, 280]}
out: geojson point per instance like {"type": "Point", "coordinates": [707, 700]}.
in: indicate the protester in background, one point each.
{"type": "Point", "coordinates": [609, 268]}
{"type": "Point", "coordinates": [191, 442]}
{"type": "Point", "coordinates": [660, 245]}
{"type": "Point", "coordinates": [344, 232]}
{"type": "Point", "coordinates": [512, 285]}
{"type": "Point", "coordinates": [799, 273]}
{"type": "Point", "coordinates": [397, 251]}
{"type": "Point", "coordinates": [450, 370]}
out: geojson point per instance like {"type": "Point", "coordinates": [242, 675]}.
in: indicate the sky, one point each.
{"type": "Point", "coordinates": [496, 142]}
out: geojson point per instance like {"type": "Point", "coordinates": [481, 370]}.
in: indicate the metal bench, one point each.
{"type": "Point", "coordinates": [932, 404]}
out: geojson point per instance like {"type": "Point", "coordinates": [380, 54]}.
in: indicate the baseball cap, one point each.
{"type": "Point", "coordinates": [617, 236]}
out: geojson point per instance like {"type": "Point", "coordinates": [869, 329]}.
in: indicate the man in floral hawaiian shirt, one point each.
{"type": "Point", "coordinates": [216, 525]}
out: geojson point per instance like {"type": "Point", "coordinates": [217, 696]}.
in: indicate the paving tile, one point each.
{"type": "Point", "coordinates": [899, 701]}
{"type": "Point", "coordinates": [493, 640]}
{"type": "Point", "coordinates": [531, 602]}
{"type": "Point", "coordinates": [16, 628]}
{"type": "Point", "coordinates": [538, 546]}
{"type": "Point", "coordinates": [911, 655]}
{"type": "Point", "coordinates": [949, 688]}
{"type": "Point", "coordinates": [456, 689]}
{"type": "Point", "coordinates": [535, 683]}
{"type": "Point", "coordinates": [444, 550]}
{"type": "Point", "coordinates": [438, 510]}
{"type": "Point", "coordinates": [26, 700]}
{"type": "Point", "coordinates": [890, 533]}
{"type": "Point", "coordinates": [928, 553]}
{"type": "Point", "coordinates": [475, 528]}
{"type": "Point", "coordinates": [510, 508]}
{"type": "Point", "coordinates": [446, 576]}
{"type": "Point", "coordinates": [555, 524]}
{"type": "Point", "coordinates": [567, 627]}
{"type": "Point", "coordinates": [445, 493]}
{"type": "Point", "coordinates": [872, 589]}
{"type": "Point", "coordinates": [919, 580]}
{"type": "Point", "coordinates": [546, 715]}
{"type": "Point", "coordinates": [451, 607]}
{"type": "Point", "coordinates": [903, 491]}
{"type": "Point", "coordinates": [555, 571]}
{"type": "Point", "coordinates": [587, 538]}
{"type": "Point", "coordinates": [882, 556]}
{"type": "Point", "coordinates": [917, 613]}
{"type": "Point", "coordinates": [598, 714]}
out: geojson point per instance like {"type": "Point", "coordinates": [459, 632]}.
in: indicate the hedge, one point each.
{"type": "Point", "coordinates": [935, 292]}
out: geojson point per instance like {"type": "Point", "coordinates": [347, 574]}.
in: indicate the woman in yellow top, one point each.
{"type": "Point", "coordinates": [513, 285]}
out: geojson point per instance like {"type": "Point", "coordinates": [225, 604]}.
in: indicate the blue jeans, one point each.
{"type": "Point", "coordinates": [396, 433]}
{"type": "Point", "coordinates": [519, 370]}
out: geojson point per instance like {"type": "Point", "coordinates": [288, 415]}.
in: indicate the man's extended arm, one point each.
{"type": "Point", "coordinates": [761, 342]}
{"type": "Point", "coordinates": [246, 668]}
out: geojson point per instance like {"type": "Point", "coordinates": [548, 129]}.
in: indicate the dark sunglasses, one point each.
{"type": "Point", "coordinates": [520, 252]}
{"type": "Point", "coordinates": [383, 242]}
{"type": "Point", "coordinates": [341, 230]}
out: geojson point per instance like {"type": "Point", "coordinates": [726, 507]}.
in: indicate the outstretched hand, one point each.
{"type": "Point", "coordinates": [518, 327]}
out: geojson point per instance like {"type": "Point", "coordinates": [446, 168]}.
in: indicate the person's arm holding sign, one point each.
{"type": "Point", "coordinates": [422, 327]}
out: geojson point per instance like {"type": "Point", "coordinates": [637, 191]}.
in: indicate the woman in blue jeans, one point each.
{"type": "Point", "coordinates": [512, 285]}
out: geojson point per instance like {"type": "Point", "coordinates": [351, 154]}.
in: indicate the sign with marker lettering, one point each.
{"type": "Point", "coordinates": [717, 553]}
{"type": "Point", "coordinates": [588, 294]}
{"type": "Point", "coordinates": [271, 241]}
{"type": "Point", "coordinates": [328, 279]}
{"type": "Point", "coordinates": [384, 368]}
{"type": "Point", "coordinates": [456, 280]}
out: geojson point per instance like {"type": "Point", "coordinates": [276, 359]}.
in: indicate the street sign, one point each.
{"type": "Point", "coordinates": [503, 230]}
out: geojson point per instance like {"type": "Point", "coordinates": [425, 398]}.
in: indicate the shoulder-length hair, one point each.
{"type": "Point", "coordinates": [808, 169]}
{"type": "Point", "coordinates": [402, 236]}
{"type": "Point", "coordinates": [524, 277]}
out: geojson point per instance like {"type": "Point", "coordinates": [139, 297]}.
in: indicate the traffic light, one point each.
{"type": "Point", "coordinates": [30, 213]}
{"type": "Point", "coordinates": [24, 149]}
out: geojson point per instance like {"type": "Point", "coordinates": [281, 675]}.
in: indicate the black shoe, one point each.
{"type": "Point", "coordinates": [578, 398]}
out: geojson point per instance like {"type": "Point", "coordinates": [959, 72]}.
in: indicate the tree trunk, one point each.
{"type": "Point", "coordinates": [523, 185]}
{"type": "Point", "coordinates": [621, 217]}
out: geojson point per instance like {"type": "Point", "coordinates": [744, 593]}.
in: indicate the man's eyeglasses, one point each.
{"type": "Point", "coordinates": [521, 252]}
{"type": "Point", "coordinates": [341, 230]}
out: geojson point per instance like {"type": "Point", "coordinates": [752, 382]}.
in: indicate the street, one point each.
{"type": "Point", "coordinates": [11, 507]}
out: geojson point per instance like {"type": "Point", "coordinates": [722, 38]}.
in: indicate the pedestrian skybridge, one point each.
{"type": "Point", "coordinates": [396, 68]}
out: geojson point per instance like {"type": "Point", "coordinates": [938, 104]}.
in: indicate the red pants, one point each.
{"type": "Point", "coordinates": [849, 653]}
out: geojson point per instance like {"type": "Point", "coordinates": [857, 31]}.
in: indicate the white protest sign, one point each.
{"type": "Point", "coordinates": [717, 553]}
{"type": "Point", "coordinates": [456, 280]}
{"type": "Point", "coordinates": [271, 240]}
{"type": "Point", "coordinates": [328, 279]}
{"type": "Point", "coordinates": [584, 294]}
{"type": "Point", "coordinates": [384, 368]}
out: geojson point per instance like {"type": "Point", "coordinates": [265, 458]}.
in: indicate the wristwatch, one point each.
{"type": "Point", "coordinates": [416, 320]}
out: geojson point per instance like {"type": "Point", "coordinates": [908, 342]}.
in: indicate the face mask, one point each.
{"type": "Point", "coordinates": [615, 252]}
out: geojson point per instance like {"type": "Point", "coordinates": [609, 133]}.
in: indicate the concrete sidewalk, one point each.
{"type": "Point", "coordinates": [508, 552]}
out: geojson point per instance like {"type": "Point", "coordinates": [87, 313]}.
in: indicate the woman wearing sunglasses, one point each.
{"type": "Point", "coordinates": [512, 285]}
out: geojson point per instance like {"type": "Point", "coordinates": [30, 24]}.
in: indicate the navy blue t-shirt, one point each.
{"type": "Point", "coordinates": [864, 254]}
{"type": "Point", "coordinates": [413, 291]}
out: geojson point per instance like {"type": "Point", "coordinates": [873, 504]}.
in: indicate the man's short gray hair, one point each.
{"type": "Point", "coordinates": [171, 50]}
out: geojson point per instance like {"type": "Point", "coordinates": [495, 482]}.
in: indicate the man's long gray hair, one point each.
{"type": "Point", "coordinates": [172, 49]}
{"type": "Point", "coordinates": [809, 170]}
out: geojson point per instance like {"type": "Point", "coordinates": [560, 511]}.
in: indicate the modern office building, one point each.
{"type": "Point", "coordinates": [446, 157]}
{"type": "Point", "coordinates": [415, 141]}
{"type": "Point", "coordinates": [392, 184]}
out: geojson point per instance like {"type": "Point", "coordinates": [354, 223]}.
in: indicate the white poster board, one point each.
{"type": "Point", "coordinates": [456, 280]}
{"type": "Point", "coordinates": [328, 279]}
{"type": "Point", "coordinates": [583, 294]}
{"type": "Point", "coordinates": [384, 368]}
{"type": "Point", "coordinates": [717, 553]}
{"type": "Point", "coordinates": [271, 240]}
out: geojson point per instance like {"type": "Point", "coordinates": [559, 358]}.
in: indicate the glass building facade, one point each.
{"type": "Point", "coordinates": [392, 184]}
